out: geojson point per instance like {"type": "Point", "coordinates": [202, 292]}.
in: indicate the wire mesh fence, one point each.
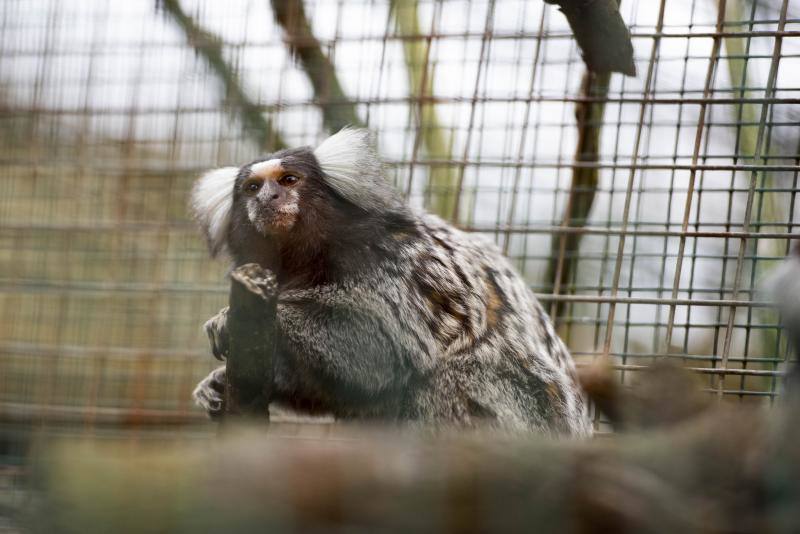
{"type": "Point", "coordinates": [642, 210]}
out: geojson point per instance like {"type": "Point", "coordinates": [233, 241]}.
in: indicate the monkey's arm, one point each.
{"type": "Point", "coordinates": [352, 342]}
{"type": "Point", "coordinates": [338, 348]}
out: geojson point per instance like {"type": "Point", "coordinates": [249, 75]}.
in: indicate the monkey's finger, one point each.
{"type": "Point", "coordinates": [201, 398]}
{"type": "Point", "coordinates": [217, 350]}
{"type": "Point", "coordinates": [212, 402]}
{"type": "Point", "coordinates": [212, 407]}
{"type": "Point", "coordinates": [218, 385]}
{"type": "Point", "coordinates": [217, 336]}
{"type": "Point", "coordinates": [206, 397]}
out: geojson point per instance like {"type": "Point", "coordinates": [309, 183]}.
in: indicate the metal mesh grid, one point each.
{"type": "Point", "coordinates": [109, 110]}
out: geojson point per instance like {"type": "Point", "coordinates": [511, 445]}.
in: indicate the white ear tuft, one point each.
{"type": "Point", "coordinates": [211, 203]}
{"type": "Point", "coordinates": [354, 170]}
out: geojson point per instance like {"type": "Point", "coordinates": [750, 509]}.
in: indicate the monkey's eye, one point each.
{"type": "Point", "coordinates": [251, 186]}
{"type": "Point", "coordinates": [289, 179]}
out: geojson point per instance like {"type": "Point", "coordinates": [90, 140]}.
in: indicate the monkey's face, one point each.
{"type": "Point", "coordinates": [270, 192]}
{"type": "Point", "coordinates": [303, 201]}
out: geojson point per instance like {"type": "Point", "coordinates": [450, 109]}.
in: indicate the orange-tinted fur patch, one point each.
{"type": "Point", "coordinates": [493, 305]}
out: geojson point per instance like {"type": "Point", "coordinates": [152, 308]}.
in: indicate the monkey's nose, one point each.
{"type": "Point", "coordinates": [269, 193]}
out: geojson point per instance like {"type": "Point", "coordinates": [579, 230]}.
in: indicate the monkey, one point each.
{"type": "Point", "coordinates": [385, 312]}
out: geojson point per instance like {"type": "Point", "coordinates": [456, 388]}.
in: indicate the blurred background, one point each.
{"type": "Point", "coordinates": [643, 210]}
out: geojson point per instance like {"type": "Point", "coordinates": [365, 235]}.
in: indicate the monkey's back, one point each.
{"type": "Point", "coordinates": [494, 354]}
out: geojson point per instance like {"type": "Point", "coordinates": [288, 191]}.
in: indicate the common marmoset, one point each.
{"type": "Point", "coordinates": [383, 312]}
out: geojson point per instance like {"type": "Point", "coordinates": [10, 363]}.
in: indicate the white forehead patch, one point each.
{"type": "Point", "coordinates": [211, 203]}
{"type": "Point", "coordinates": [265, 169]}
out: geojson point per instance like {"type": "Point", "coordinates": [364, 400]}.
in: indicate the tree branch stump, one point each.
{"type": "Point", "coordinates": [251, 328]}
{"type": "Point", "coordinates": [602, 35]}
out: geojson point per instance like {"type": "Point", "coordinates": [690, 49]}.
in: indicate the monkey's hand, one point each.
{"type": "Point", "coordinates": [210, 393]}
{"type": "Point", "coordinates": [217, 330]}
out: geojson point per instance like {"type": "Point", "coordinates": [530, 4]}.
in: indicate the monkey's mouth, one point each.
{"type": "Point", "coordinates": [270, 221]}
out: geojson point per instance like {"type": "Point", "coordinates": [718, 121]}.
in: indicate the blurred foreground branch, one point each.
{"type": "Point", "coordinates": [337, 110]}
{"type": "Point", "coordinates": [708, 469]}
{"type": "Point", "coordinates": [210, 48]}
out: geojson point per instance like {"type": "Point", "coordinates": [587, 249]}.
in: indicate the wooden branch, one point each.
{"type": "Point", "coordinates": [606, 45]}
{"type": "Point", "coordinates": [337, 109]}
{"type": "Point", "coordinates": [209, 47]}
{"type": "Point", "coordinates": [251, 328]}
{"type": "Point", "coordinates": [601, 34]}
{"type": "Point", "coordinates": [583, 188]}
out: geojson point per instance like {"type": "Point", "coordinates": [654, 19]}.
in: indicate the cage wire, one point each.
{"type": "Point", "coordinates": [651, 241]}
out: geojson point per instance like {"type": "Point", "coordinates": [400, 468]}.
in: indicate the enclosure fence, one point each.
{"type": "Point", "coordinates": [643, 210]}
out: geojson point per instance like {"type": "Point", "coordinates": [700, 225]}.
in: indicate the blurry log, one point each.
{"type": "Point", "coordinates": [707, 468]}
{"type": "Point", "coordinates": [251, 328]}
{"type": "Point", "coordinates": [601, 33]}
{"type": "Point", "coordinates": [730, 469]}
{"type": "Point", "coordinates": [662, 395]}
